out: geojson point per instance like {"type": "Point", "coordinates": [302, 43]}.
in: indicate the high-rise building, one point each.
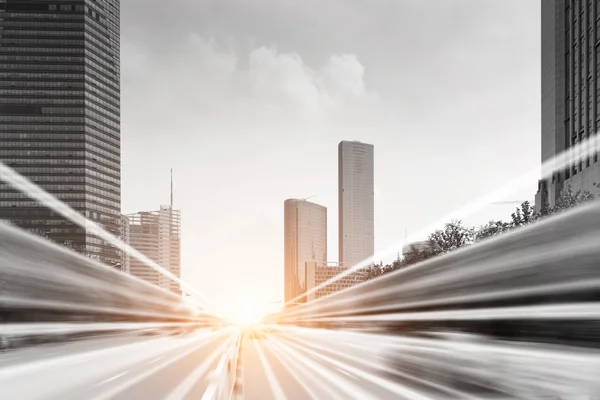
{"type": "Point", "coordinates": [305, 240]}
{"type": "Point", "coordinates": [356, 198]}
{"type": "Point", "coordinates": [157, 235]}
{"type": "Point", "coordinates": [60, 115]}
{"type": "Point", "coordinates": [570, 92]}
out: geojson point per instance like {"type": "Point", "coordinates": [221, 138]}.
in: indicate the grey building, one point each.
{"type": "Point", "coordinates": [60, 115]}
{"type": "Point", "coordinates": [157, 235]}
{"type": "Point", "coordinates": [305, 240]}
{"type": "Point", "coordinates": [570, 92]}
{"type": "Point", "coordinates": [356, 198]}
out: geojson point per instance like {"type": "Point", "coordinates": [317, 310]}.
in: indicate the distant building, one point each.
{"type": "Point", "coordinates": [305, 239]}
{"type": "Point", "coordinates": [157, 235]}
{"type": "Point", "coordinates": [570, 92]}
{"type": "Point", "coordinates": [319, 273]}
{"type": "Point", "coordinates": [356, 198]}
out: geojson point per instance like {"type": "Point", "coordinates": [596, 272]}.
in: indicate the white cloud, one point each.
{"type": "Point", "coordinates": [214, 80]}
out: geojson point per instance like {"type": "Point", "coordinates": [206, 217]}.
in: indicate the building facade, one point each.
{"type": "Point", "coordinates": [157, 235]}
{"type": "Point", "coordinates": [570, 92]}
{"type": "Point", "coordinates": [356, 197]}
{"type": "Point", "coordinates": [60, 115]}
{"type": "Point", "coordinates": [319, 273]}
{"type": "Point", "coordinates": [305, 240]}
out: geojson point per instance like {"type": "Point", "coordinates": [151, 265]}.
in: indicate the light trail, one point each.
{"type": "Point", "coordinates": [19, 182]}
{"type": "Point", "coordinates": [348, 388]}
{"type": "Point", "coordinates": [574, 154]}
{"type": "Point", "coordinates": [187, 350]}
{"type": "Point", "coordinates": [361, 359]}
{"type": "Point", "coordinates": [188, 383]}
{"type": "Point", "coordinates": [274, 385]}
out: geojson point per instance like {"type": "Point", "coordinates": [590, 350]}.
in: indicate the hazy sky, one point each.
{"type": "Point", "coordinates": [247, 101]}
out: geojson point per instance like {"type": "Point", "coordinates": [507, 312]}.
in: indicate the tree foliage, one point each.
{"type": "Point", "coordinates": [490, 229]}
{"type": "Point", "coordinates": [454, 235]}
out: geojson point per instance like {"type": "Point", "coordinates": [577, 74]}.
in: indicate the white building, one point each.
{"type": "Point", "coordinates": [157, 235]}
{"type": "Point", "coordinates": [356, 198]}
{"type": "Point", "coordinates": [305, 239]}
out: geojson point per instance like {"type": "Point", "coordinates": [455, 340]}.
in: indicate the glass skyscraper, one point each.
{"type": "Point", "coordinates": [305, 240]}
{"type": "Point", "coordinates": [356, 197]}
{"type": "Point", "coordinates": [60, 115]}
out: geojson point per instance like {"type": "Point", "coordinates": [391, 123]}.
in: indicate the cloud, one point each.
{"type": "Point", "coordinates": [209, 79]}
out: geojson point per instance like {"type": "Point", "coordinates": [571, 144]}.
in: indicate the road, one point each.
{"type": "Point", "coordinates": [289, 364]}
{"type": "Point", "coordinates": [163, 367]}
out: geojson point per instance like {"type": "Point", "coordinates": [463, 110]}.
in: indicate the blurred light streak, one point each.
{"type": "Point", "coordinates": [395, 388]}
{"type": "Point", "coordinates": [289, 364]}
{"type": "Point", "coordinates": [188, 349]}
{"type": "Point", "coordinates": [349, 389]}
{"type": "Point", "coordinates": [582, 150]}
{"type": "Point", "coordinates": [360, 355]}
{"type": "Point", "coordinates": [188, 383]}
{"type": "Point", "coordinates": [273, 382]}
{"type": "Point", "coordinates": [19, 182]}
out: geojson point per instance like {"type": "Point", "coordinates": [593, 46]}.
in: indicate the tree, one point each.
{"type": "Point", "coordinates": [524, 215]}
{"type": "Point", "coordinates": [452, 237]}
{"type": "Point", "coordinates": [490, 229]}
{"type": "Point", "coordinates": [373, 271]}
{"type": "Point", "coordinates": [569, 199]}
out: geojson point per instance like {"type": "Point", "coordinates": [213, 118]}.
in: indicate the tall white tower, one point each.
{"type": "Point", "coordinates": [356, 198]}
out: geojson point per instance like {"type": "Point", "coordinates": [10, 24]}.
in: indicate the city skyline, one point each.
{"type": "Point", "coordinates": [252, 113]}
{"type": "Point", "coordinates": [215, 96]}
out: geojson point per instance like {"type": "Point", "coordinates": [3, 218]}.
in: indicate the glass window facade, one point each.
{"type": "Point", "coordinates": [60, 115]}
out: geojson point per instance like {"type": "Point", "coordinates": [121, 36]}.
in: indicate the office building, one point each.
{"type": "Point", "coordinates": [60, 115]}
{"type": "Point", "coordinates": [318, 274]}
{"type": "Point", "coordinates": [356, 198]}
{"type": "Point", "coordinates": [157, 235]}
{"type": "Point", "coordinates": [570, 92]}
{"type": "Point", "coordinates": [305, 239]}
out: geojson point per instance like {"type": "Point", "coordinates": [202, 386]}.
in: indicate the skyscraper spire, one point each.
{"type": "Point", "coordinates": [171, 188]}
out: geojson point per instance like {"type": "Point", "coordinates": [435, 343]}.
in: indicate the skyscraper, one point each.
{"type": "Point", "coordinates": [305, 240]}
{"type": "Point", "coordinates": [157, 235]}
{"type": "Point", "coordinates": [570, 91]}
{"type": "Point", "coordinates": [356, 198]}
{"type": "Point", "coordinates": [60, 115]}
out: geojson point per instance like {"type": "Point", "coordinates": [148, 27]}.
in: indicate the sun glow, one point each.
{"type": "Point", "coordinates": [245, 313]}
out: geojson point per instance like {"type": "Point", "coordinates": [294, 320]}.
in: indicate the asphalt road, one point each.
{"type": "Point", "coordinates": [291, 364]}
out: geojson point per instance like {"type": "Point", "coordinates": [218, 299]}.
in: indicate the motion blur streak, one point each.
{"type": "Point", "coordinates": [19, 182]}
{"type": "Point", "coordinates": [512, 317]}
{"type": "Point", "coordinates": [586, 148]}
{"type": "Point", "coordinates": [273, 383]}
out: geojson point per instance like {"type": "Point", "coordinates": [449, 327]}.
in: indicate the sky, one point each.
{"type": "Point", "coordinates": [247, 100]}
